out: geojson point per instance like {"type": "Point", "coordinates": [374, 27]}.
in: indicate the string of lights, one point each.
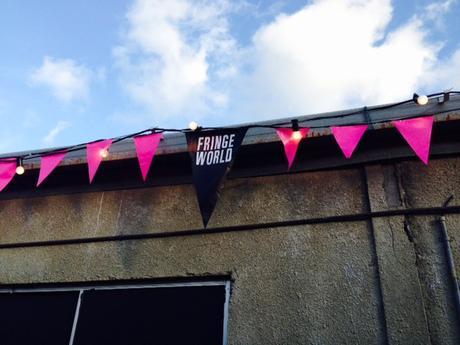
{"type": "Point", "coordinates": [295, 124]}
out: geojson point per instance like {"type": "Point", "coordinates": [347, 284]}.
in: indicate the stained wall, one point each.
{"type": "Point", "coordinates": [353, 279]}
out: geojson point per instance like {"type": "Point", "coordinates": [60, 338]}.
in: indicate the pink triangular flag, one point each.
{"type": "Point", "coordinates": [417, 133]}
{"type": "Point", "coordinates": [348, 137]}
{"type": "Point", "coordinates": [48, 164]}
{"type": "Point", "coordinates": [146, 146]}
{"type": "Point", "coordinates": [94, 156]}
{"type": "Point", "coordinates": [291, 143]}
{"type": "Point", "coordinates": [7, 171]}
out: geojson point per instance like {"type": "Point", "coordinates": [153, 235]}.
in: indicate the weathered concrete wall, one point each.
{"type": "Point", "coordinates": [427, 187]}
{"type": "Point", "coordinates": [163, 209]}
{"type": "Point", "coordinates": [357, 282]}
{"type": "Point", "coordinates": [285, 291]}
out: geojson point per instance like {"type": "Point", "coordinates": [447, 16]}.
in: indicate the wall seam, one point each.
{"type": "Point", "coordinates": [381, 313]}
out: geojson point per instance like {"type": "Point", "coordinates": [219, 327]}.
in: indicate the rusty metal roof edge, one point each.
{"type": "Point", "coordinates": [176, 143]}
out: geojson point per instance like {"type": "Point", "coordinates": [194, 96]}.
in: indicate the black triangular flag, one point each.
{"type": "Point", "coordinates": [212, 154]}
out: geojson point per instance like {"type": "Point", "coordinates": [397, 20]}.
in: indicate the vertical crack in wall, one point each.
{"type": "Point", "coordinates": [405, 203]}
{"type": "Point", "coordinates": [418, 265]}
{"type": "Point", "coordinates": [408, 231]}
{"type": "Point", "coordinates": [392, 236]}
{"type": "Point", "coordinates": [404, 197]}
{"type": "Point", "coordinates": [397, 256]}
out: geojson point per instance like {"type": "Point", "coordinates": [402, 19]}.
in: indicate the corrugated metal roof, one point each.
{"type": "Point", "coordinates": [175, 142]}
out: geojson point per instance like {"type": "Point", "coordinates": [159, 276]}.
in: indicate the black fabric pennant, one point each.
{"type": "Point", "coordinates": [212, 154]}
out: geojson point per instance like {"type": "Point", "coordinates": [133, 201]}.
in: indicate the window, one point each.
{"type": "Point", "coordinates": [37, 317]}
{"type": "Point", "coordinates": [185, 313]}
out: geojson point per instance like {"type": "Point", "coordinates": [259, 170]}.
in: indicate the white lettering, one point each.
{"type": "Point", "coordinates": [218, 142]}
{"type": "Point", "coordinates": [200, 143]}
{"type": "Point", "coordinates": [225, 141]}
{"type": "Point", "coordinates": [228, 155]}
{"type": "Point", "coordinates": [209, 158]}
{"type": "Point", "coordinates": [200, 158]}
{"type": "Point", "coordinates": [206, 144]}
{"type": "Point", "coordinates": [215, 160]}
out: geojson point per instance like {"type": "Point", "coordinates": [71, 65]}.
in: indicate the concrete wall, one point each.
{"type": "Point", "coordinates": [376, 281]}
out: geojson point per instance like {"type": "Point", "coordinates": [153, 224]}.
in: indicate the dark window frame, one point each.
{"type": "Point", "coordinates": [127, 286]}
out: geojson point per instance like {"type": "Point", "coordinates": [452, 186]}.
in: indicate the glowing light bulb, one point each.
{"type": "Point", "coordinates": [20, 170]}
{"type": "Point", "coordinates": [296, 135]}
{"type": "Point", "coordinates": [422, 100]}
{"type": "Point", "coordinates": [104, 153]}
{"type": "Point", "coordinates": [193, 126]}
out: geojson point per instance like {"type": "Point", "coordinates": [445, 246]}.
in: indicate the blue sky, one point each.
{"type": "Point", "coordinates": [77, 71]}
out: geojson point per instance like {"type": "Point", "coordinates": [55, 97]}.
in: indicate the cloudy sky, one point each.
{"type": "Point", "coordinates": [75, 71]}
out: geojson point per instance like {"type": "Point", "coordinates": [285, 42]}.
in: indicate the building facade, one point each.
{"type": "Point", "coordinates": [334, 251]}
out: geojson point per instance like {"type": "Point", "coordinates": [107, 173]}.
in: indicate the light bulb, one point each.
{"type": "Point", "coordinates": [193, 126]}
{"type": "Point", "coordinates": [296, 135]}
{"type": "Point", "coordinates": [20, 170]}
{"type": "Point", "coordinates": [104, 153]}
{"type": "Point", "coordinates": [422, 100]}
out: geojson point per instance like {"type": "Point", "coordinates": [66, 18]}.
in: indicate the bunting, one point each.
{"type": "Point", "coordinates": [48, 164]}
{"type": "Point", "coordinates": [146, 146]}
{"type": "Point", "coordinates": [7, 172]}
{"type": "Point", "coordinates": [291, 142]}
{"type": "Point", "coordinates": [417, 133]}
{"type": "Point", "coordinates": [212, 153]}
{"type": "Point", "coordinates": [95, 152]}
{"type": "Point", "coordinates": [348, 137]}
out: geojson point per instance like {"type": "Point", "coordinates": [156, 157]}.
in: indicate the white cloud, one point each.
{"type": "Point", "coordinates": [167, 53]}
{"type": "Point", "coordinates": [445, 76]}
{"type": "Point", "coordinates": [56, 130]}
{"type": "Point", "coordinates": [334, 54]}
{"type": "Point", "coordinates": [178, 58]}
{"type": "Point", "coordinates": [66, 79]}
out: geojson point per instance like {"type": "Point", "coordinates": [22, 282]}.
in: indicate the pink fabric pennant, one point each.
{"type": "Point", "coordinates": [7, 172]}
{"type": "Point", "coordinates": [146, 146]}
{"type": "Point", "coordinates": [94, 157]}
{"type": "Point", "coordinates": [348, 137]}
{"type": "Point", "coordinates": [417, 133]}
{"type": "Point", "coordinates": [48, 164]}
{"type": "Point", "coordinates": [291, 144]}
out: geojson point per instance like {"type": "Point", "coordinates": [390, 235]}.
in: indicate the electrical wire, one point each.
{"type": "Point", "coordinates": [303, 122]}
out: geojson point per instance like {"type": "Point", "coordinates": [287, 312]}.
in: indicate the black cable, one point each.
{"type": "Point", "coordinates": [286, 224]}
{"type": "Point", "coordinates": [367, 110]}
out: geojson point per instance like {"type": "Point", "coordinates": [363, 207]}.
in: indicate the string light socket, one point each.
{"type": "Point", "coordinates": [445, 98]}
